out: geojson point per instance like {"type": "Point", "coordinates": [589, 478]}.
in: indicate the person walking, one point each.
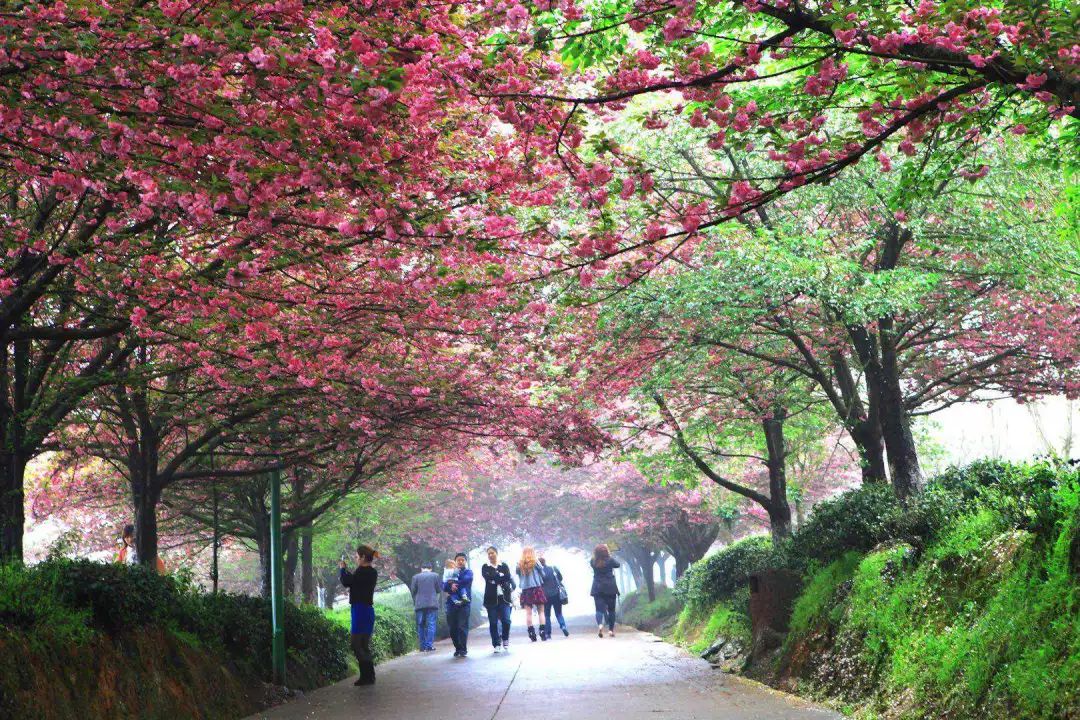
{"type": "Point", "coordinates": [498, 599]}
{"type": "Point", "coordinates": [605, 590]}
{"type": "Point", "coordinates": [361, 584]}
{"type": "Point", "coordinates": [554, 592]}
{"type": "Point", "coordinates": [426, 588]}
{"type": "Point", "coordinates": [532, 588]}
{"type": "Point", "coordinates": [459, 605]}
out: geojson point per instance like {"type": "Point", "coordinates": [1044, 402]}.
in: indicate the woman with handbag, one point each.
{"type": "Point", "coordinates": [555, 592]}
{"type": "Point", "coordinates": [531, 583]}
{"type": "Point", "coordinates": [604, 589]}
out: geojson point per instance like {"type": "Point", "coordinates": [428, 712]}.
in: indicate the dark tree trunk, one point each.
{"type": "Point", "coordinates": [779, 509]}
{"type": "Point", "coordinates": [681, 566]}
{"type": "Point", "coordinates": [307, 575]}
{"type": "Point", "coordinates": [636, 572]}
{"type": "Point", "coordinates": [292, 559]}
{"type": "Point", "coordinates": [13, 457]}
{"type": "Point", "coordinates": [871, 448]}
{"type": "Point", "coordinates": [146, 524]}
{"type": "Point", "coordinates": [262, 543]}
{"type": "Point", "coordinates": [904, 468]}
{"type": "Point", "coordinates": [12, 518]}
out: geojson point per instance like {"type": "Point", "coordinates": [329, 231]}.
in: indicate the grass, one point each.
{"type": "Point", "coordinates": [986, 624]}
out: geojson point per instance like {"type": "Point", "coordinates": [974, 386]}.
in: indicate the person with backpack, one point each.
{"type": "Point", "coordinates": [556, 597]}
{"type": "Point", "coordinates": [498, 599]}
{"type": "Point", "coordinates": [361, 584]}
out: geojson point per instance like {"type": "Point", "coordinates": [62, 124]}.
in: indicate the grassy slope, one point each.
{"type": "Point", "coordinates": [985, 624]}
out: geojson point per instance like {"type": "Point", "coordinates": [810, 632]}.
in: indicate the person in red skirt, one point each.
{"type": "Point", "coordinates": [531, 582]}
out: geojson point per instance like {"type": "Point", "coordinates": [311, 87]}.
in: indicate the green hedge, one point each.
{"type": "Point", "coordinates": [395, 626]}
{"type": "Point", "coordinates": [71, 601]}
{"type": "Point", "coordinates": [718, 577]}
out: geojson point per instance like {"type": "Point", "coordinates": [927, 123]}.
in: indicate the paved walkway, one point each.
{"type": "Point", "coordinates": [631, 677]}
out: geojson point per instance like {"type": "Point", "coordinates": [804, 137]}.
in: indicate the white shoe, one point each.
{"type": "Point", "coordinates": [495, 651]}
{"type": "Point", "coordinates": [506, 647]}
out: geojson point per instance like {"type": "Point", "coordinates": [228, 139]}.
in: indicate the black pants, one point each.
{"type": "Point", "coordinates": [457, 617]}
{"type": "Point", "coordinates": [557, 607]}
{"type": "Point", "coordinates": [605, 610]}
{"type": "Point", "coordinates": [361, 647]}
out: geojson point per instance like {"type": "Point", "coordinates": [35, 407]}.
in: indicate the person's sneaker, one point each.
{"type": "Point", "coordinates": [506, 647]}
{"type": "Point", "coordinates": [600, 631]}
{"type": "Point", "coordinates": [611, 633]}
{"type": "Point", "coordinates": [457, 653]}
{"type": "Point", "coordinates": [565, 632]}
{"type": "Point", "coordinates": [495, 651]}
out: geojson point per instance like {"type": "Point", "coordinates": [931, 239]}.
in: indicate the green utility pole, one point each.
{"type": "Point", "coordinates": [277, 580]}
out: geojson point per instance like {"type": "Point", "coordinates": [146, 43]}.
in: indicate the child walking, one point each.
{"type": "Point", "coordinates": [361, 584]}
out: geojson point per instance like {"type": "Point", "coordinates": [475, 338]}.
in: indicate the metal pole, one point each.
{"type": "Point", "coordinates": [277, 577]}
{"type": "Point", "coordinates": [217, 529]}
{"type": "Point", "coordinates": [217, 541]}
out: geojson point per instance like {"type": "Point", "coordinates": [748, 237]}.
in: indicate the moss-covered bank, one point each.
{"type": "Point", "coordinates": [965, 604]}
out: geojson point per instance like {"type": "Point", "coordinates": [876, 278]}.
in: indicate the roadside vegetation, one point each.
{"type": "Point", "coordinates": [964, 603]}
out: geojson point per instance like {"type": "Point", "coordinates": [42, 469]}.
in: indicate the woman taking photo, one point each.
{"type": "Point", "coordinates": [361, 584]}
{"type": "Point", "coordinates": [532, 588]}
{"type": "Point", "coordinates": [604, 589]}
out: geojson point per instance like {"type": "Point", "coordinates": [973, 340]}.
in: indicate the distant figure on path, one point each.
{"type": "Point", "coordinates": [553, 591]}
{"type": "Point", "coordinates": [426, 588]}
{"type": "Point", "coordinates": [459, 605]}
{"type": "Point", "coordinates": [361, 584]}
{"type": "Point", "coordinates": [604, 589]}
{"type": "Point", "coordinates": [498, 598]}
{"type": "Point", "coordinates": [129, 555]}
{"type": "Point", "coordinates": [532, 588]}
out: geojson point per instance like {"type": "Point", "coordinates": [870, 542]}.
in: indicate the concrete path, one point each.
{"type": "Point", "coordinates": [631, 677]}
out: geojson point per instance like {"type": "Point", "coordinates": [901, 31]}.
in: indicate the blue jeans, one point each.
{"type": "Point", "coordinates": [557, 607]}
{"type": "Point", "coordinates": [457, 617]}
{"type": "Point", "coordinates": [425, 627]}
{"type": "Point", "coordinates": [500, 614]}
{"type": "Point", "coordinates": [605, 610]}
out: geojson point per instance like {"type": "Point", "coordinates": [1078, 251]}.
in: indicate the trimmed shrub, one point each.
{"type": "Point", "coordinates": [77, 600]}
{"type": "Point", "coordinates": [395, 626]}
{"type": "Point", "coordinates": [719, 576]}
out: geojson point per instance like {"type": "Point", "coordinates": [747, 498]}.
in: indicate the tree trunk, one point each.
{"type": "Point", "coordinates": [146, 500]}
{"type": "Point", "coordinates": [262, 543]}
{"type": "Point", "coordinates": [661, 562]}
{"type": "Point", "coordinates": [292, 559]}
{"type": "Point", "coordinates": [636, 572]}
{"type": "Point", "coordinates": [307, 575]}
{"type": "Point", "coordinates": [682, 564]}
{"type": "Point", "coordinates": [779, 509]}
{"type": "Point", "coordinates": [907, 476]}
{"type": "Point", "coordinates": [12, 510]}
{"type": "Point", "coordinates": [13, 458]}
{"type": "Point", "coordinates": [870, 445]}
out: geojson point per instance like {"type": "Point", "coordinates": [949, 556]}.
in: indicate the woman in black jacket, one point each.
{"type": "Point", "coordinates": [361, 584]}
{"type": "Point", "coordinates": [604, 589]}
{"type": "Point", "coordinates": [498, 586]}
